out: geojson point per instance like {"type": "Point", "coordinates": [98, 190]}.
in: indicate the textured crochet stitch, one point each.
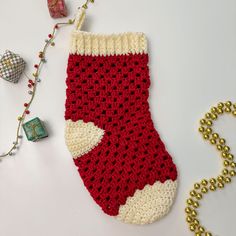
{"type": "Point", "coordinates": [109, 131]}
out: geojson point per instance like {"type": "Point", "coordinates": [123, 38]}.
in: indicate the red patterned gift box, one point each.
{"type": "Point", "coordinates": [57, 8]}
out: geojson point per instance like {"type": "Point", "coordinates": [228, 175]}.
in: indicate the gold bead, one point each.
{"type": "Point", "coordinates": [213, 141]}
{"type": "Point", "coordinates": [188, 210]}
{"type": "Point", "coordinates": [227, 109]}
{"type": "Point", "coordinates": [219, 147]}
{"type": "Point", "coordinates": [193, 193]}
{"type": "Point", "coordinates": [225, 171]}
{"type": "Point", "coordinates": [213, 109]}
{"type": "Point", "coordinates": [204, 190]}
{"type": "Point", "coordinates": [209, 123]}
{"type": "Point", "coordinates": [214, 116]}
{"type": "Point", "coordinates": [190, 201]}
{"type": "Point", "coordinates": [85, 6]}
{"type": "Point", "coordinates": [197, 186]}
{"type": "Point", "coordinates": [220, 185]}
{"type": "Point", "coordinates": [234, 113]}
{"type": "Point", "coordinates": [230, 157]}
{"type": "Point", "coordinates": [206, 136]}
{"type": "Point", "coordinates": [208, 115]}
{"type": "Point", "coordinates": [226, 163]}
{"type": "Point", "coordinates": [227, 180]}
{"type": "Point", "coordinates": [220, 111]}
{"type": "Point", "coordinates": [201, 129]}
{"type": "Point", "coordinates": [196, 222]}
{"type": "Point", "coordinates": [212, 181]}
{"type": "Point", "coordinates": [215, 136]}
{"type": "Point", "coordinates": [208, 234]}
{"type": "Point", "coordinates": [70, 21]}
{"type": "Point", "coordinates": [220, 105]}
{"type": "Point", "coordinates": [226, 148]}
{"type": "Point", "coordinates": [222, 141]}
{"type": "Point", "coordinates": [220, 178]}
{"type": "Point", "coordinates": [234, 105]}
{"type": "Point", "coordinates": [204, 182]}
{"type": "Point", "coordinates": [202, 121]}
{"type": "Point", "coordinates": [224, 154]}
{"type": "Point", "coordinates": [209, 130]}
{"type": "Point", "coordinates": [196, 204]}
{"type": "Point", "coordinates": [189, 219]}
{"type": "Point", "coordinates": [233, 164]}
{"type": "Point", "coordinates": [194, 213]}
{"type": "Point", "coordinates": [198, 234]}
{"type": "Point", "coordinates": [228, 103]}
{"type": "Point", "coordinates": [192, 227]}
{"type": "Point", "coordinates": [199, 196]}
{"type": "Point", "coordinates": [212, 188]}
{"type": "Point", "coordinates": [201, 229]}
{"type": "Point", "coordinates": [19, 118]}
{"type": "Point", "coordinates": [232, 173]}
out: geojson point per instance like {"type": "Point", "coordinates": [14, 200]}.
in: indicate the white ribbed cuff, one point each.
{"type": "Point", "coordinates": [85, 43]}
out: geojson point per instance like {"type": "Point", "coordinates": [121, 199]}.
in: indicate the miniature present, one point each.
{"type": "Point", "coordinates": [11, 66]}
{"type": "Point", "coordinates": [35, 130]}
{"type": "Point", "coordinates": [57, 8]}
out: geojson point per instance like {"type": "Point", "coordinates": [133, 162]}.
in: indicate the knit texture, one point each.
{"type": "Point", "coordinates": [109, 130]}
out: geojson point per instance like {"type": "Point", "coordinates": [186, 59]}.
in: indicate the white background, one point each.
{"type": "Point", "coordinates": [192, 46]}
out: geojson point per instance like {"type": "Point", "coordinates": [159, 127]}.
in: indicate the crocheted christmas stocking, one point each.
{"type": "Point", "coordinates": [109, 130]}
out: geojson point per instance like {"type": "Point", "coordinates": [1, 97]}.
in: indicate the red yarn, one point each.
{"type": "Point", "coordinates": [112, 92]}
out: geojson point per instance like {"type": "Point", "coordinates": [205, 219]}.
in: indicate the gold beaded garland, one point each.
{"type": "Point", "coordinates": [203, 187]}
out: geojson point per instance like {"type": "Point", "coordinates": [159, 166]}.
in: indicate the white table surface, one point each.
{"type": "Point", "coordinates": [192, 46]}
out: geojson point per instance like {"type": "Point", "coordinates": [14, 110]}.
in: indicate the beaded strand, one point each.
{"type": "Point", "coordinates": [228, 170]}
{"type": "Point", "coordinates": [32, 83]}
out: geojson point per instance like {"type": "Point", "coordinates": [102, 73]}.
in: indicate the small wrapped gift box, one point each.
{"type": "Point", "coordinates": [35, 130]}
{"type": "Point", "coordinates": [11, 66]}
{"type": "Point", "coordinates": [57, 8]}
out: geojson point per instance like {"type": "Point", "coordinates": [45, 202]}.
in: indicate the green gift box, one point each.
{"type": "Point", "coordinates": [35, 130]}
